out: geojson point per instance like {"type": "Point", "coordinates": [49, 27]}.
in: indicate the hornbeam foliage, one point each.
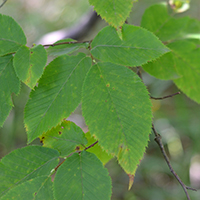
{"type": "Point", "coordinates": [182, 64]}
{"type": "Point", "coordinates": [115, 101]}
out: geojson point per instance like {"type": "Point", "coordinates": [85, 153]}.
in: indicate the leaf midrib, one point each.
{"type": "Point", "coordinates": [56, 96]}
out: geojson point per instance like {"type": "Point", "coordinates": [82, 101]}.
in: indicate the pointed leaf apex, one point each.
{"type": "Point", "coordinates": [131, 180]}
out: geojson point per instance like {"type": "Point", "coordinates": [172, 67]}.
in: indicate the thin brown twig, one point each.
{"type": "Point", "coordinates": [165, 97]}
{"type": "Point", "coordinates": [158, 139]}
{"type": "Point", "coordinates": [61, 43]}
{"type": "Point", "coordinates": [91, 145]}
{"type": "Point", "coordinates": [55, 169]}
{"type": "Point", "coordinates": [3, 3]}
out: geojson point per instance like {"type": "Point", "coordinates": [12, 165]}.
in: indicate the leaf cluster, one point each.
{"type": "Point", "coordinates": [115, 102]}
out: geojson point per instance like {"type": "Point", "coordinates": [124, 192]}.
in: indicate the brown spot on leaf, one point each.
{"type": "Point", "coordinates": [77, 148]}
{"type": "Point", "coordinates": [59, 132]}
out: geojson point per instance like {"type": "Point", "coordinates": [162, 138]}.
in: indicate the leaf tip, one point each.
{"type": "Point", "coordinates": [131, 180]}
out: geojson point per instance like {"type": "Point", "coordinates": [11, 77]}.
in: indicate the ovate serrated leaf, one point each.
{"type": "Point", "coordinates": [58, 50]}
{"type": "Point", "coordinates": [29, 64]}
{"type": "Point", "coordinates": [58, 94]}
{"type": "Point", "coordinates": [117, 110]}
{"type": "Point", "coordinates": [64, 138]}
{"type": "Point", "coordinates": [103, 156]}
{"type": "Point", "coordinates": [37, 189]}
{"type": "Point", "coordinates": [136, 47]}
{"type": "Point", "coordinates": [9, 83]}
{"type": "Point", "coordinates": [24, 164]}
{"type": "Point", "coordinates": [82, 176]}
{"type": "Point", "coordinates": [11, 35]}
{"type": "Point", "coordinates": [187, 61]}
{"type": "Point", "coordinates": [115, 12]}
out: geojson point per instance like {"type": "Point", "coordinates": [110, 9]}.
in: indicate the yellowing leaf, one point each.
{"type": "Point", "coordinates": [64, 138]}
{"type": "Point", "coordinates": [102, 155]}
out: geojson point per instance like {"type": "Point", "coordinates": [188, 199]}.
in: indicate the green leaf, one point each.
{"type": "Point", "coordinates": [85, 178]}
{"type": "Point", "coordinates": [157, 20]}
{"type": "Point", "coordinates": [24, 164]}
{"type": "Point", "coordinates": [162, 68]}
{"type": "Point", "coordinates": [37, 189]}
{"type": "Point", "coordinates": [9, 83]}
{"type": "Point", "coordinates": [58, 94]}
{"type": "Point", "coordinates": [29, 64]}
{"type": "Point", "coordinates": [182, 63]}
{"type": "Point", "coordinates": [173, 29]}
{"type": "Point", "coordinates": [103, 156]}
{"type": "Point", "coordinates": [187, 61]}
{"type": "Point", "coordinates": [192, 31]}
{"type": "Point", "coordinates": [155, 17]}
{"type": "Point", "coordinates": [136, 47]}
{"type": "Point", "coordinates": [115, 12]}
{"type": "Point", "coordinates": [64, 138]}
{"type": "Point", "coordinates": [117, 110]}
{"type": "Point", "coordinates": [58, 50]}
{"type": "Point", "coordinates": [11, 35]}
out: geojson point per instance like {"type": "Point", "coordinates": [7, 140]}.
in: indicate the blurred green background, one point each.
{"type": "Point", "coordinates": [177, 119]}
